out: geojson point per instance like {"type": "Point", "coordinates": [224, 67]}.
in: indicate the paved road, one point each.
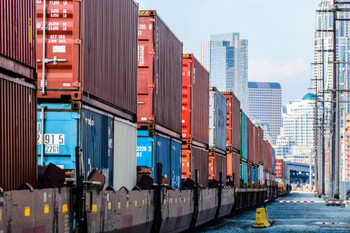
{"type": "Point", "coordinates": [289, 217]}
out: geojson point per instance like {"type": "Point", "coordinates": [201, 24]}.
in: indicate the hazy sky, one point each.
{"type": "Point", "coordinates": [280, 34]}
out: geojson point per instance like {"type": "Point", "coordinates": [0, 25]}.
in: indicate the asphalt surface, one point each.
{"type": "Point", "coordinates": [290, 217]}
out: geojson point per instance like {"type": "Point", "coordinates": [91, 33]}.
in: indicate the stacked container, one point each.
{"type": "Point", "coordinates": [87, 87]}
{"type": "Point", "coordinates": [18, 163]}
{"type": "Point", "coordinates": [159, 95]}
{"type": "Point", "coordinates": [233, 145]}
{"type": "Point", "coordinates": [217, 134]}
{"type": "Point", "coordinates": [195, 119]}
{"type": "Point", "coordinates": [244, 148]}
{"type": "Point", "coordinates": [260, 163]}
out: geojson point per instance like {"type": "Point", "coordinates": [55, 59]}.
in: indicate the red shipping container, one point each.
{"type": "Point", "coordinates": [279, 166]}
{"type": "Point", "coordinates": [232, 122]}
{"type": "Point", "coordinates": [159, 86]}
{"type": "Point", "coordinates": [256, 145]}
{"type": "Point", "coordinates": [90, 52]}
{"type": "Point", "coordinates": [260, 145]}
{"type": "Point", "coordinates": [18, 38]}
{"type": "Point", "coordinates": [250, 133]}
{"type": "Point", "coordinates": [194, 158]}
{"type": "Point", "coordinates": [195, 101]}
{"type": "Point", "coordinates": [18, 148]}
{"type": "Point", "coordinates": [266, 155]}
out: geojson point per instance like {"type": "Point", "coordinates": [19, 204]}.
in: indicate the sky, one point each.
{"type": "Point", "coordinates": [280, 34]}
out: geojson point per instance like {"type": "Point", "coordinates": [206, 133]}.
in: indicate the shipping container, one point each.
{"type": "Point", "coordinates": [195, 101]}
{"type": "Point", "coordinates": [159, 85]}
{"type": "Point", "coordinates": [236, 167]}
{"type": "Point", "coordinates": [272, 160]}
{"type": "Point", "coordinates": [124, 164]}
{"type": "Point", "coordinates": [260, 145]}
{"type": "Point", "coordinates": [160, 149]}
{"type": "Point", "coordinates": [261, 174]}
{"type": "Point", "coordinates": [256, 145]}
{"type": "Point", "coordinates": [18, 38]}
{"type": "Point", "coordinates": [279, 167]}
{"type": "Point", "coordinates": [90, 50]}
{"type": "Point", "coordinates": [244, 172]}
{"type": "Point", "coordinates": [18, 162]}
{"type": "Point", "coordinates": [64, 128]}
{"type": "Point", "coordinates": [217, 120]}
{"type": "Point", "coordinates": [244, 136]}
{"type": "Point", "coordinates": [217, 165]}
{"type": "Point", "coordinates": [233, 120]}
{"type": "Point", "coordinates": [254, 176]}
{"type": "Point", "coordinates": [250, 133]}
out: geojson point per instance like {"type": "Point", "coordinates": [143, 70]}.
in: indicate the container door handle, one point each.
{"type": "Point", "coordinates": [55, 60]}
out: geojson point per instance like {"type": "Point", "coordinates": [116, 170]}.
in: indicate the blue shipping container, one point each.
{"type": "Point", "coordinates": [254, 175]}
{"type": "Point", "coordinates": [217, 119]}
{"type": "Point", "coordinates": [244, 136]}
{"type": "Point", "coordinates": [244, 172]}
{"type": "Point", "coordinates": [273, 161]}
{"type": "Point", "coordinates": [65, 130]}
{"type": "Point", "coordinates": [160, 149]}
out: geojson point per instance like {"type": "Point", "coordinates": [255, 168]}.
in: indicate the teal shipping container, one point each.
{"type": "Point", "coordinates": [273, 160]}
{"type": "Point", "coordinates": [244, 136]}
{"type": "Point", "coordinates": [244, 172]}
{"type": "Point", "coordinates": [160, 149]}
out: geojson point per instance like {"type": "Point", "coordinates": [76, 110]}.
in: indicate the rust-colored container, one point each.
{"type": "Point", "coordinates": [260, 145]}
{"type": "Point", "coordinates": [266, 152]}
{"type": "Point", "coordinates": [193, 158]}
{"type": "Point", "coordinates": [232, 122]}
{"type": "Point", "coordinates": [91, 53]}
{"type": "Point", "coordinates": [250, 128]}
{"type": "Point", "coordinates": [256, 145]}
{"type": "Point", "coordinates": [195, 101]}
{"type": "Point", "coordinates": [236, 167]}
{"type": "Point", "coordinates": [217, 164]}
{"type": "Point", "coordinates": [18, 38]}
{"type": "Point", "coordinates": [279, 166]}
{"type": "Point", "coordinates": [18, 155]}
{"type": "Point", "coordinates": [159, 85]}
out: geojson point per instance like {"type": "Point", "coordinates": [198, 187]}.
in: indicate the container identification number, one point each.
{"type": "Point", "coordinates": [51, 139]}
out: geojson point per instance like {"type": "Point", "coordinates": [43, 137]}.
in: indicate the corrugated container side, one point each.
{"type": "Point", "coordinates": [18, 160]}
{"type": "Point", "coordinates": [261, 174]}
{"type": "Point", "coordinates": [260, 145]}
{"type": "Point", "coordinates": [159, 73]}
{"type": "Point", "coordinates": [266, 155]}
{"type": "Point", "coordinates": [244, 172]}
{"type": "Point", "coordinates": [256, 145]}
{"type": "Point", "coordinates": [249, 174]}
{"type": "Point", "coordinates": [229, 165]}
{"type": "Point", "coordinates": [273, 160]}
{"type": "Point", "coordinates": [220, 166]}
{"type": "Point", "coordinates": [236, 160]}
{"type": "Point", "coordinates": [250, 134]}
{"type": "Point", "coordinates": [217, 119]}
{"type": "Point", "coordinates": [109, 65]}
{"type": "Point", "coordinates": [200, 161]}
{"type": "Point", "coordinates": [244, 136]}
{"type": "Point", "coordinates": [124, 155]}
{"type": "Point", "coordinates": [176, 161]}
{"type": "Point", "coordinates": [18, 37]}
{"type": "Point", "coordinates": [97, 61]}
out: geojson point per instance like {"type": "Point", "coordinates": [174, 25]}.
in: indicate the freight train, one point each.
{"type": "Point", "coordinates": [112, 128]}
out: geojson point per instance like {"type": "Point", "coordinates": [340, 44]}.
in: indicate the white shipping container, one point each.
{"type": "Point", "coordinates": [261, 174]}
{"type": "Point", "coordinates": [125, 167]}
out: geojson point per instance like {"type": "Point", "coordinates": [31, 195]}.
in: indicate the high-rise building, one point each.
{"type": "Point", "coordinates": [265, 104]}
{"type": "Point", "coordinates": [226, 57]}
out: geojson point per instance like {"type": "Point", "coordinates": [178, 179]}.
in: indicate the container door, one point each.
{"type": "Point", "coordinates": [187, 98]}
{"type": "Point", "coordinates": [146, 82]}
{"type": "Point", "coordinates": [162, 155]}
{"type": "Point", "coordinates": [212, 100]}
{"type": "Point", "coordinates": [144, 150]}
{"type": "Point", "coordinates": [176, 164]}
{"type": "Point", "coordinates": [97, 143]}
{"type": "Point", "coordinates": [220, 121]}
{"type": "Point", "coordinates": [61, 135]}
{"type": "Point", "coordinates": [125, 168]}
{"type": "Point", "coordinates": [61, 45]}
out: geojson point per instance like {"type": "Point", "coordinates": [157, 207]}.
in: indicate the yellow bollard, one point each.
{"type": "Point", "coordinates": [261, 219]}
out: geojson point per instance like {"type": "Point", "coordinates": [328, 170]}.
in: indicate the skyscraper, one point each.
{"type": "Point", "coordinates": [265, 105]}
{"type": "Point", "coordinates": [227, 58]}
